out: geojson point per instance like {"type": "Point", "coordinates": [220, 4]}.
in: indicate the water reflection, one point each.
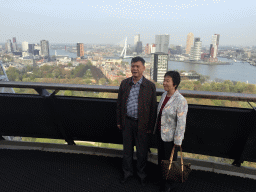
{"type": "Point", "coordinates": [235, 72]}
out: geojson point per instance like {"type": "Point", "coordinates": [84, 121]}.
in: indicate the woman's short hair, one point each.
{"type": "Point", "coordinates": [175, 77]}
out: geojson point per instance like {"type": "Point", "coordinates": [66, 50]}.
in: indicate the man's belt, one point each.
{"type": "Point", "coordinates": [131, 118]}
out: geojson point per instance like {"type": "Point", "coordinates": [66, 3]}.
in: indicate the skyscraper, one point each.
{"type": "Point", "coordinates": [153, 48]}
{"type": "Point", "coordinates": [147, 49]}
{"type": "Point", "coordinates": [45, 49]}
{"type": "Point", "coordinates": [214, 46]}
{"type": "Point", "coordinates": [80, 49]}
{"type": "Point", "coordinates": [190, 39]}
{"type": "Point", "coordinates": [31, 48]}
{"type": "Point", "coordinates": [37, 49]}
{"type": "Point", "coordinates": [138, 47]}
{"type": "Point", "coordinates": [24, 46]}
{"type": "Point", "coordinates": [9, 46]}
{"type": "Point", "coordinates": [159, 66]}
{"type": "Point", "coordinates": [136, 39]}
{"type": "Point", "coordinates": [162, 43]}
{"type": "Point", "coordinates": [14, 45]}
{"type": "Point", "coordinates": [195, 54]}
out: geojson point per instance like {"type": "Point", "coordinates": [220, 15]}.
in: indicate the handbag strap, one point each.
{"type": "Point", "coordinates": [181, 160]}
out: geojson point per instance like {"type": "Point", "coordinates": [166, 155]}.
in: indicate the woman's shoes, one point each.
{"type": "Point", "coordinates": [166, 190]}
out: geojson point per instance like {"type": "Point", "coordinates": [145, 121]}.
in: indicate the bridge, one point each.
{"type": "Point", "coordinates": [213, 131]}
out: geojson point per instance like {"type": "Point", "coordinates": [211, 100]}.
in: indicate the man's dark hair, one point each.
{"type": "Point", "coordinates": [175, 77]}
{"type": "Point", "coordinates": [136, 59]}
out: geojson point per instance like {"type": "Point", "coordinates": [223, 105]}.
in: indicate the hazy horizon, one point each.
{"type": "Point", "coordinates": [109, 22]}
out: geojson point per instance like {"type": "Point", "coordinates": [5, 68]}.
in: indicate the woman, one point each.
{"type": "Point", "coordinates": [171, 121]}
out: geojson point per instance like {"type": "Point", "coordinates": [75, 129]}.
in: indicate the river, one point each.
{"type": "Point", "coordinates": [237, 71]}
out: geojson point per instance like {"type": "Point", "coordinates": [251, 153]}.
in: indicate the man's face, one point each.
{"type": "Point", "coordinates": [137, 69]}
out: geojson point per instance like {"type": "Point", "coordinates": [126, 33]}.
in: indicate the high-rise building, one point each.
{"type": "Point", "coordinates": [162, 43]}
{"type": "Point", "coordinates": [80, 49]}
{"type": "Point", "coordinates": [138, 47]}
{"type": "Point", "coordinates": [214, 46]}
{"type": "Point", "coordinates": [9, 46]}
{"type": "Point", "coordinates": [45, 52]}
{"type": "Point", "coordinates": [14, 45]}
{"type": "Point", "coordinates": [153, 48]}
{"type": "Point", "coordinates": [136, 39]}
{"type": "Point", "coordinates": [159, 66]}
{"type": "Point", "coordinates": [24, 46]}
{"type": "Point", "coordinates": [31, 48]}
{"type": "Point", "coordinates": [37, 49]}
{"type": "Point", "coordinates": [190, 39]}
{"type": "Point", "coordinates": [195, 54]}
{"type": "Point", "coordinates": [178, 50]}
{"type": "Point", "coordinates": [147, 49]}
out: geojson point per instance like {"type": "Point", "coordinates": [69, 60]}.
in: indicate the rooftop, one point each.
{"type": "Point", "coordinates": [54, 167]}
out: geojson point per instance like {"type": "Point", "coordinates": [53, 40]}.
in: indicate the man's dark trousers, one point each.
{"type": "Point", "coordinates": [131, 135]}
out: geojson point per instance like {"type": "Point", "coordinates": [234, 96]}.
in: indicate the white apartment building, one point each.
{"type": "Point", "coordinates": [24, 46]}
{"type": "Point", "coordinates": [159, 66]}
{"type": "Point", "coordinates": [195, 54]}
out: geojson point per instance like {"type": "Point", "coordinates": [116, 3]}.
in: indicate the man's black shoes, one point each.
{"type": "Point", "coordinates": [143, 182]}
{"type": "Point", "coordinates": [125, 178]}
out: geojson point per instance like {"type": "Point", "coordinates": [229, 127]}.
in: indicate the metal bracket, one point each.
{"type": "Point", "coordinates": [1, 138]}
{"type": "Point", "coordinates": [237, 163]}
{"type": "Point", "coordinates": [54, 93]}
{"type": "Point", "coordinates": [42, 92]}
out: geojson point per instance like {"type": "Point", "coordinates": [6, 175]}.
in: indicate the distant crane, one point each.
{"type": "Point", "coordinates": [123, 54]}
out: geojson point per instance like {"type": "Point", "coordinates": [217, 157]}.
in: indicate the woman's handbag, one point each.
{"type": "Point", "coordinates": [174, 170]}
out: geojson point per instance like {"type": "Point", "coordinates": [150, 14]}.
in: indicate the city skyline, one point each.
{"type": "Point", "coordinates": [110, 22]}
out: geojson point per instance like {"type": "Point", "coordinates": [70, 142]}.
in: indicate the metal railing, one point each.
{"type": "Point", "coordinates": [114, 89]}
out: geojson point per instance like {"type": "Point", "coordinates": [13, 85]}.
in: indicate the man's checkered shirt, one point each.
{"type": "Point", "coordinates": [132, 102]}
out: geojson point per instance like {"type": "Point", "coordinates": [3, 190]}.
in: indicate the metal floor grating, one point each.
{"type": "Point", "coordinates": [31, 170]}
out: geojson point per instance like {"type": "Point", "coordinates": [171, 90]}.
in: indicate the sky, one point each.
{"type": "Point", "coordinates": [111, 21]}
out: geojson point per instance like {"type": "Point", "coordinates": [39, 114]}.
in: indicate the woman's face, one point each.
{"type": "Point", "coordinates": [168, 84]}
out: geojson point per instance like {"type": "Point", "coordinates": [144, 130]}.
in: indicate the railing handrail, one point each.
{"type": "Point", "coordinates": [114, 89]}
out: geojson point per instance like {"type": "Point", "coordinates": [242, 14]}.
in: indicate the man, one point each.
{"type": "Point", "coordinates": [136, 114]}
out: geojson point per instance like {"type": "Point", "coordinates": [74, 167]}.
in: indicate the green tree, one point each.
{"type": "Point", "coordinates": [102, 81]}
{"type": "Point", "coordinates": [239, 87]}
{"type": "Point", "coordinates": [250, 88]}
{"type": "Point", "coordinates": [88, 81]}
{"type": "Point", "coordinates": [88, 74]}
{"type": "Point", "coordinates": [186, 85]}
{"type": "Point", "coordinates": [13, 74]}
{"type": "Point", "coordinates": [214, 86]}
{"type": "Point", "coordinates": [80, 70]}
{"type": "Point", "coordinates": [224, 87]}
{"type": "Point", "coordinates": [70, 64]}
{"type": "Point", "coordinates": [57, 73]}
{"type": "Point", "coordinates": [197, 86]}
{"type": "Point", "coordinates": [68, 93]}
{"type": "Point", "coordinates": [206, 87]}
{"type": "Point", "coordinates": [89, 63]}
